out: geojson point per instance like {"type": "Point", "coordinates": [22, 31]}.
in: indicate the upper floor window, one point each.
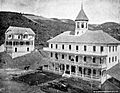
{"type": "Point", "coordinates": [56, 55]}
{"type": "Point", "coordinates": [112, 59]}
{"type": "Point", "coordinates": [76, 47]}
{"type": "Point", "coordinates": [27, 43]}
{"type": "Point", "coordinates": [116, 48]}
{"type": "Point", "coordinates": [62, 46]}
{"type": "Point", "coordinates": [56, 46]}
{"type": "Point", "coordinates": [78, 24]}
{"type": "Point", "coordinates": [109, 48]}
{"type": "Point", "coordinates": [25, 36]}
{"type": "Point", "coordinates": [85, 48]}
{"type": "Point", "coordinates": [101, 49]}
{"type": "Point", "coordinates": [94, 48]}
{"type": "Point", "coordinates": [76, 58]}
{"type": "Point", "coordinates": [115, 58]}
{"type": "Point", "coordinates": [69, 47]}
{"type": "Point", "coordinates": [101, 60]}
{"type": "Point", "coordinates": [94, 60]}
{"type": "Point", "coordinates": [51, 54]}
{"type": "Point", "coordinates": [51, 45]}
{"type": "Point", "coordinates": [69, 57]}
{"type": "Point", "coordinates": [109, 59]}
{"type": "Point", "coordinates": [86, 25]}
{"type": "Point", "coordinates": [28, 49]}
{"type": "Point", "coordinates": [82, 25]}
{"type": "Point", "coordinates": [85, 59]}
{"type": "Point", "coordinates": [113, 48]}
{"type": "Point", "coordinates": [15, 49]}
{"type": "Point", "coordinates": [62, 56]}
{"type": "Point", "coordinates": [94, 71]}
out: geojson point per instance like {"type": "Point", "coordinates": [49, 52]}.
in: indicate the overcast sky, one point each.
{"type": "Point", "coordinates": [98, 11]}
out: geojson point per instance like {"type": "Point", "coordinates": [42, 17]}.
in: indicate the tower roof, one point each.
{"type": "Point", "coordinates": [81, 16]}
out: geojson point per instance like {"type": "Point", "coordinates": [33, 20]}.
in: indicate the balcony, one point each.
{"type": "Point", "coordinates": [82, 64]}
{"type": "Point", "coordinates": [89, 53]}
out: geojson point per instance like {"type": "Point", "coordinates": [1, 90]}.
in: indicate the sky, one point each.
{"type": "Point", "coordinates": [98, 11]}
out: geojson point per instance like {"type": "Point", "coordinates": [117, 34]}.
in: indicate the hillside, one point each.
{"type": "Point", "coordinates": [44, 29]}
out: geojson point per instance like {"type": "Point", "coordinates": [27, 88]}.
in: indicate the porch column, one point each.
{"type": "Point", "coordinates": [82, 71]}
{"type": "Point", "coordinates": [70, 69]}
{"type": "Point", "coordinates": [76, 72]}
{"type": "Point", "coordinates": [59, 68]}
{"type": "Point", "coordinates": [54, 67]}
{"type": "Point", "coordinates": [91, 73]}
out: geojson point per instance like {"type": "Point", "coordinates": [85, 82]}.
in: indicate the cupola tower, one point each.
{"type": "Point", "coordinates": [81, 22]}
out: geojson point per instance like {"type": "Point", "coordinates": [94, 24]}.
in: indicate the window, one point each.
{"type": "Point", "coordinates": [76, 58]}
{"type": "Point", "coordinates": [82, 25]}
{"type": "Point", "coordinates": [76, 47]}
{"type": "Point", "coordinates": [84, 59]}
{"type": "Point", "coordinates": [94, 48]}
{"type": "Point", "coordinates": [51, 54]}
{"type": "Point", "coordinates": [56, 46]}
{"type": "Point", "coordinates": [14, 43]}
{"type": "Point", "coordinates": [67, 67]}
{"type": "Point", "coordinates": [69, 57]}
{"type": "Point", "coordinates": [27, 49]}
{"type": "Point", "coordinates": [78, 25]}
{"type": "Point", "coordinates": [101, 49]}
{"type": "Point", "coordinates": [112, 59]}
{"type": "Point", "coordinates": [113, 48]}
{"type": "Point", "coordinates": [62, 46]}
{"type": "Point", "coordinates": [109, 48]}
{"type": "Point", "coordinates": [51, 45]}
{"type": "Point", "coordinates": [116, 48]}
{"type": "Point", "coordinates": [10, 43]}
{"type": "Point", "coordinates": [94, 71]}
{"type": "Point", "coordinates": [94, 60]}
{"type": "Point", "coordinates": [27, 43]}
{"type": "Point", "coordinates": [15, 49]}
{"type": "Point", "coordinates": [25, 36]}
{"type": "Point", "coordinates": [101, 59]}
{"type": "Point", "coordinates": [85, 48]}
{"type": "Point", "coordinates": [56, 55]}
{"type": "Point", "coordinates": [115, 58]}
{"type": "Point", "coordinates": [62, 56]}
{"type": "Point", "coordinates": [109, 59]}
{"type": "Point", "coordinates": [69, 47]}
{"type": "Point", "coordinates": [86, 25]}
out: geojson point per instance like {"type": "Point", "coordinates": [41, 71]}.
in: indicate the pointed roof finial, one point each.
{"type": "Point", "coordinates": [81, 16]}
{"type": "Point", "coordinates": [82, 5]}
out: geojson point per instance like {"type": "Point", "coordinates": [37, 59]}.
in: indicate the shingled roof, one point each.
{"type": "Point", "coordinates": [90, 37]}
{"type": "Point", "coordinates": [19, 30]}
{"type": "Point", "coordinates": [81, 16]}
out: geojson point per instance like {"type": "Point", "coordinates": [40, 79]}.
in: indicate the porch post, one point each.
{"type": "Point", "coordinates": [76, 72]}
{"type": "Point", "coordinates": [82, 71]}
{"type": "Point", "coordinates": [91, 73]}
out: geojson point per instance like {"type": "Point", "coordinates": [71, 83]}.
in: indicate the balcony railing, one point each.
{"type": "Point", "coordinates": [77, 52]}
{"type": "Point", "coordinates": [83, 64]}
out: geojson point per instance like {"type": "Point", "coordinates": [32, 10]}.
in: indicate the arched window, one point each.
{"type": "Point", "coordinates": [82, 25]}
